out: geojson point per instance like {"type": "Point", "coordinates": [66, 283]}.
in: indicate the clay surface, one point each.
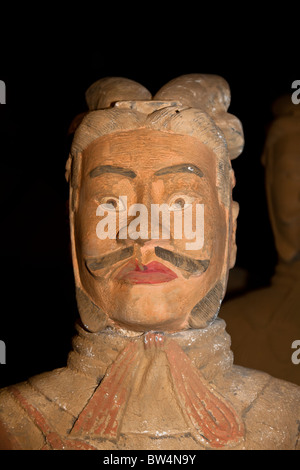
{"type": "Point", "coordinates": [151, 365]}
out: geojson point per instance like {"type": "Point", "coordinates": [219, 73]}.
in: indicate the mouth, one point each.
{"type": "Point", "coordinates": [137, 273]}
{"type": "Point", "coordinates": [153, 273]}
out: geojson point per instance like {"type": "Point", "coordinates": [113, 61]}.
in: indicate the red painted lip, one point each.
{"type": "Point", "coordinates": [152, 273]}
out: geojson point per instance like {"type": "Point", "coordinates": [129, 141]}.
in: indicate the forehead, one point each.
{"type": "Point", "coordinates": [146, 150]}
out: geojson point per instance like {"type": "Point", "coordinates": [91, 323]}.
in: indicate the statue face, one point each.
{"type": "Point", "coordinates": [283, 188]}
{"type": "Point", "coordinates": [148, 283]}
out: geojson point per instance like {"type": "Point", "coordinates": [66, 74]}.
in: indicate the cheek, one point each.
{"type": "Point", "coordinates": [87, 241]}
{"type": "Point", "coordinates": [208, 226]}
{"type": "Point", "coordinates": [212, 229]}
{"type": "Point", "coordinates": [89, 224]}
{"type": "Point", "coordinates": [285, 194]}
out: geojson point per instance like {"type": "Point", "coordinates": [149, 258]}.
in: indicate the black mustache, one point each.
{"type": "Point", "coordinates": [108, 260]}
{"type": "Point", "coordinates": [193, 266]}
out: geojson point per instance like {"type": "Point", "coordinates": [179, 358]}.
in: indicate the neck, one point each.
{"type": "Point", "coordinates": [287, 272]}
{"type": "Point", "coordinates": [208, 348]}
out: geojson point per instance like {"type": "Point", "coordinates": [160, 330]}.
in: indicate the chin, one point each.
{"type": "Point", "coordinates": [148, 321]}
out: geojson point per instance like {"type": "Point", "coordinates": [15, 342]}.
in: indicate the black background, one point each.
{"type": "Point", "coordinates": [46, 71]}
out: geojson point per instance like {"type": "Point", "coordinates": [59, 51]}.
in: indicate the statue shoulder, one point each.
{"type": "Point", "coordinates": [48, 401]}
{"type": "Point", "coordinates": [17, 428]}
{"type": "Point", "coordinates": [270, 407]}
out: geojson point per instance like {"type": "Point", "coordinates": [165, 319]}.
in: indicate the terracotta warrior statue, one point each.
{"type": "Point", "coordinates": [265, 324]}
{"type": "Point", "coordinates": [153, 237]}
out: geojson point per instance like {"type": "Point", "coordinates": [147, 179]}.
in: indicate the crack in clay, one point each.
{"type": "Point", "coordinates": [249, 407]}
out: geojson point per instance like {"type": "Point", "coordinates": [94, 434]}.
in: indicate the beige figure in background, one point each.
{"type": "Point", "coordinates": [151, 366]}
{"type": "Point", "coordinates": [264, 325]}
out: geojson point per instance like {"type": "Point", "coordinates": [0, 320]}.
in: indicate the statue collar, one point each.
{"type": "Point", "coordinates": [156, 383]}
{"type": "Point", "coordinates": [208, 348]}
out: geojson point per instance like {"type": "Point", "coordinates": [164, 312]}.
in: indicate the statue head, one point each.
{"type": "Point", "coordinates": [281, 158]}
{"type": "Point", "coordinates": [151, 211]}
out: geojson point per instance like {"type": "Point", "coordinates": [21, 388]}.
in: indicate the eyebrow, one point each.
{"type": "Point", "coordinates": [100, 170]}
{"type": "Point", "coordinates": [181, 168]}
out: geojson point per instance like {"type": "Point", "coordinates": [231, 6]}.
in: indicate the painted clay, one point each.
{"type": "Point", "coordinates": [265, 324]}
{"type": "Point", "coordinates": [151, 365]}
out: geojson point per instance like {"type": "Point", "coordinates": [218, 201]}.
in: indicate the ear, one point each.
{"type": "Point", "coordinates": [233, 248]}
{"type": "Point", "coordinates": [92, 317]}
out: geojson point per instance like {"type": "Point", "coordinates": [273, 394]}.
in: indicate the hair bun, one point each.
{"type": "Point", "coordinates": [210, 93]}
{"type": "Point", "coordinates": [104, 92]}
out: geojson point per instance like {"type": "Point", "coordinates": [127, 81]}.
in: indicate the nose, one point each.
{"type": "Point", "coordinates": [145, 223]}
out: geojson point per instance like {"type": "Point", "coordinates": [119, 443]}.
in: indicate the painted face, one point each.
{"type": "Point", "coordinates": [151, 281]}
{"type": "Point", "coordinates": [283, 190]}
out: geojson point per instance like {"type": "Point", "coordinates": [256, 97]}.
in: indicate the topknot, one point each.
{"type": "Point", "coordinates": [209, 93]}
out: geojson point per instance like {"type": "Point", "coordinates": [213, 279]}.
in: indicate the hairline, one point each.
{"type": "Point", "coordinates": [221, 151]}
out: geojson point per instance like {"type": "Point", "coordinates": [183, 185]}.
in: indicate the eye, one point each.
{"type": "Point", "coordinates": [112, 203]}
{"type": "Point", "coordinates": [180, 202]}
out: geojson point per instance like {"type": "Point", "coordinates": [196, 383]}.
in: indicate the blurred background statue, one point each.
{"type": "Point", "coordinates": [264, 324]}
